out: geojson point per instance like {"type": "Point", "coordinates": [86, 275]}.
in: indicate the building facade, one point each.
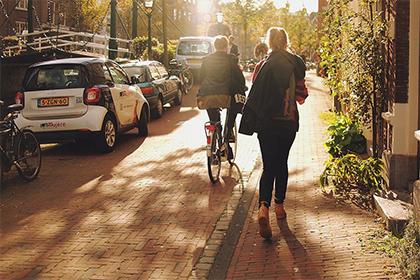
{"type": "Point", "coordinates": [46, 14]}
{"type": "Point", "coordinates": [402, 82]}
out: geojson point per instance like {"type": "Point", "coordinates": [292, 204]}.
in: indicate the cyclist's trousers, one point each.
{"type": "Point", "coordinates": [214, 116]}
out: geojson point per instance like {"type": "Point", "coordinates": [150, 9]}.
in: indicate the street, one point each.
{"type": "Point", "coordinates": [145, 210]}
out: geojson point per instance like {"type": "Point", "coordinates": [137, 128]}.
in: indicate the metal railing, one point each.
{"type": "Point", "coordinates": [67, 40]}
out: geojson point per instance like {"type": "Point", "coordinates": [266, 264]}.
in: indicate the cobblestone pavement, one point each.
{"type": "Point", "coordinates": [320, 239]}
{"type": "Point", "coordinates": [144, 211]}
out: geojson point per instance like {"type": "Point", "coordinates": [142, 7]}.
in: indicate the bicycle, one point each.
{"type": "Point", "coordinates": [18, 147]}
{"type": "Point", "coordinates": [218, 147]}
{"type": "Point", "coordinates": [183, 72]}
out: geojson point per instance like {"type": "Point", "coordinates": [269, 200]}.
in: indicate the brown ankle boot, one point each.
{"type": "Point", "coordinates": [280, 212]}
{"type": "Point", "coordinates": [264, 222]}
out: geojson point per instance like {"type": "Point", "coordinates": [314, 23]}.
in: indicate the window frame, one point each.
{"type": "Point", "coordinates": [22, 7]}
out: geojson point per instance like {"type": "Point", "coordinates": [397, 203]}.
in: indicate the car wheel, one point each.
{"type": "Point", "coordinates": [143, 124]}
{"type": "Point", "coordinates": [178, 98]}
{"type": "Point", "coordinates": [107, 137]}
{"type": "Point", "coordinates": [158, 111]}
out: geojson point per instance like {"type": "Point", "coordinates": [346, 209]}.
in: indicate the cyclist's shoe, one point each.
{"type": "Point", "coordinates": [231, 137]}
{"type": "Point", "coordinates": [223, 154]}
{"type": "Point", "coordinates": [230, 153]}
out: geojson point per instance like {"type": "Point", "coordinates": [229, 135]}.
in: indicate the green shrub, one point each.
{"type": "Point", "coordinates": [350, 172]}
{"type": "Point", "coordinates": [408, 252]}
{"type": "Point", "coordinates": [345, 137]}
{"type": "Point", "coordinates": [139, 46]}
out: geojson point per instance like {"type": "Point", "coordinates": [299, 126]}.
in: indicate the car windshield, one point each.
{"type": "Point", "coordinates": [139, 72]}
{"type": "Point", "coordinates": [195, 47]}
{"type": "Point", "coordinates": [55, 77]}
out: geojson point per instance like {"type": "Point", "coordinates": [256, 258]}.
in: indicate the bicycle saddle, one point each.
{"type": "Point", "coordinates": [15, 107]}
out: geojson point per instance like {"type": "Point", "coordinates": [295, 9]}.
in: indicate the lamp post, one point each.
{"type": "Point", "coordinates": [148, 4]}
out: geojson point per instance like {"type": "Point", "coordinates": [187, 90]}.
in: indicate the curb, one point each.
{"type": "Point", "coordinates": [215, 260]}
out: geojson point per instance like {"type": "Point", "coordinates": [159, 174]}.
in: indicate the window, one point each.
{"type": "Point", "coordinates": [22, 5]}
{"type": "Point", "coordinates": [154, 72]}
{"type": "Point", "coordinates": [117, 74]}
{"type": "Point", "coordinates": [56, 77]}
{"type": "Point", "coordinates": [20, 26]}
{"type": "Point", "coordinates": [106, 74]}
{"type": "Point", "coordinates": [139, 72]}
{"type": "Point", "coordinates": [194, 48]}
{"type": "Point", "coordinates": [162, 71]}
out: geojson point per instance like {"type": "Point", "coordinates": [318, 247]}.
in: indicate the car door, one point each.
{"type": "Point", "coordinates": [120, 94]}
{"type": "Point", "coordinates": [133, 97]}
{"type": "Point", "coordinates": [158, 81]}
{"type": "Point", "coordinates": [169, 85]}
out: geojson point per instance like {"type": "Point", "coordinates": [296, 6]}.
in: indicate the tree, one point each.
{"type": "Point", "coordinates": [87, 15]}
{"type": "Point", "coordinates": [241, 13]}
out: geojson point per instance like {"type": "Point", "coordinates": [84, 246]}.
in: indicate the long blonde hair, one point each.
{"type": "Point", "coordinates": [278, 39]}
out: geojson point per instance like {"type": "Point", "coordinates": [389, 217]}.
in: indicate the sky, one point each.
{"type": "Point", "coordinates": [295, 5]}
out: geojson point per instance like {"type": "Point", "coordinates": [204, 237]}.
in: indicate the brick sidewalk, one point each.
{"type": "Point", "coordinates": [319, 240]}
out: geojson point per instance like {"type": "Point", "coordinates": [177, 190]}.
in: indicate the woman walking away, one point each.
{"type": "Point", "coordinates": [260, 51]}
{"type": "Point", "coordinates": [271, 112]}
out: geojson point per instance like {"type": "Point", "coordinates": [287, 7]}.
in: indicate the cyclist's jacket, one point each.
{"type": "Point", "coordinates": [220, 75]}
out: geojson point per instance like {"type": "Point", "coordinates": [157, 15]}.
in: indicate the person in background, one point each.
{"type": "Point", "coordinates": [233, 48]}
{"type": "Point", "coordinates": [271, 112]}
{"type": "Point", "coordinates": [260, 52]}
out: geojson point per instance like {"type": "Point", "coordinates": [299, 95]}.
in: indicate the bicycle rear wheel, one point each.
{"type": "Point", "coordinates": [28, 157]}
{"type": "Point", "coordinates": [214, 161]}
{"type": "Point", "coordinates": [233, 143]}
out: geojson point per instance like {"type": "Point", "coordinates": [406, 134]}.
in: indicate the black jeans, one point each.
{"type": "Point", "coordinates": [275, 153]}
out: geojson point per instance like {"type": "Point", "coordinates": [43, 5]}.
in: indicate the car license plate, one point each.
{"type": "Point", "coordinates": [53, 102]}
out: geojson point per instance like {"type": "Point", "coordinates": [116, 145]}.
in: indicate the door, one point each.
{"type": "Point", "coordinates": [120, 94]}
{"type": "Point", "coordinates": [158, 81]}
{"type": "Point", "coordinates": [171, 87]}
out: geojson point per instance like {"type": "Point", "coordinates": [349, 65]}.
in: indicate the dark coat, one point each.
{"type": "Point", "coordinates": [234, 50]}
{"type": "Point", "coordinates": [263, 106]}
{"type": "Point", "coordinates": [220, 74]}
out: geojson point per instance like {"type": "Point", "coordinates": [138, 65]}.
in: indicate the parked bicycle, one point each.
{"type": "Point", "coordinates": [18, 147]}
{"type": "Point", "coordinates": [217, 147]}
{"type": "Point", "coordinates": [181, 69]}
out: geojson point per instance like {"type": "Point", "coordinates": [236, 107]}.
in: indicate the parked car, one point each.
{"type": "Point", "coordinates": [193, 49]}
{"type": "Point", "coordinates": [157, 85]}
{"type": "Point", "coordinates": [78, 97]}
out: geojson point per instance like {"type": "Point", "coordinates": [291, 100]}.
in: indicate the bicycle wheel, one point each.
{"type": "Point", "coordinates": [28, 157]}
{"type": "Point", "coordinates": [214, 161]}
{"type": "Point", "coordinates": [188, 79]}
{"type": "Point", "coordinates": [233, 143]}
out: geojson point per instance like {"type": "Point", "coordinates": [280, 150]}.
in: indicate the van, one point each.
{"type": "Point", "coordinates": [193, 49]}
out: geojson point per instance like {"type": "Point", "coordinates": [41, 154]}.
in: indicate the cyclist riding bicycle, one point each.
{"type": "Point", "coordinates": [221, 79]}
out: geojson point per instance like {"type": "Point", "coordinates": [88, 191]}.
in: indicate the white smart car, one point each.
{"type": "Point", "coordinates": [78, 97]}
